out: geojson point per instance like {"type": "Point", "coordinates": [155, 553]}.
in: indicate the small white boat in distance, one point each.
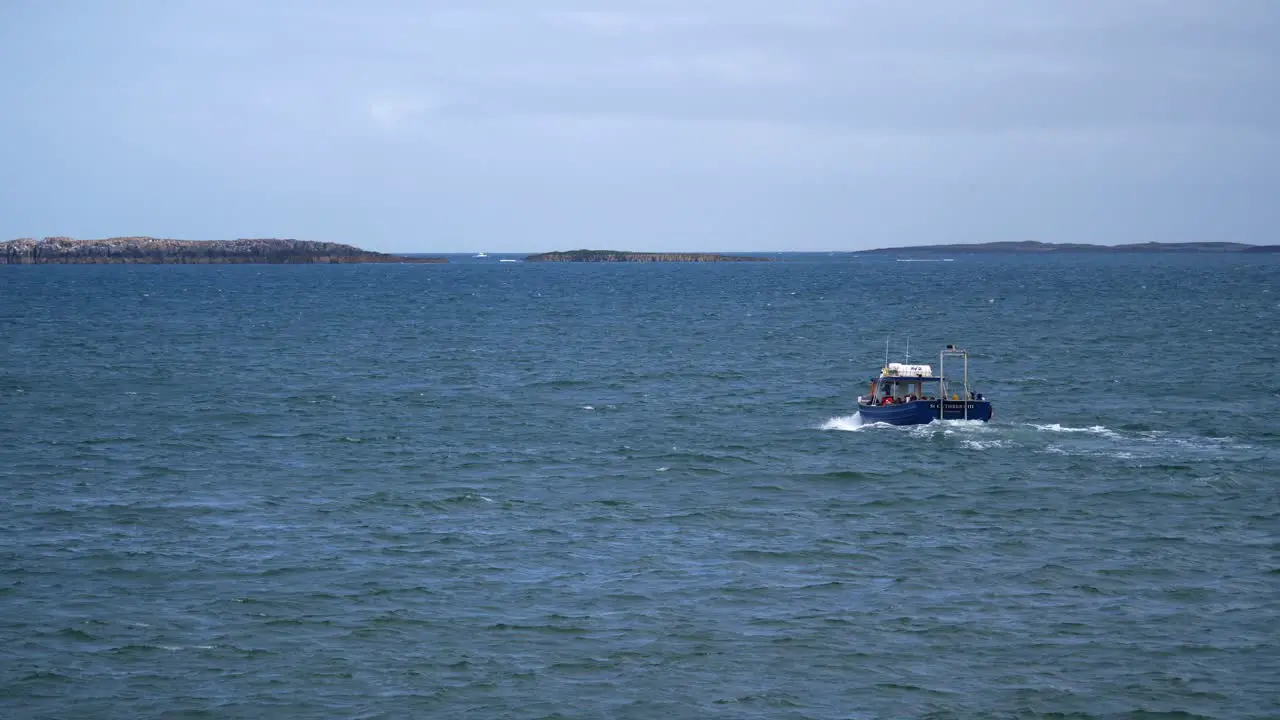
{"type": "Point", "coordinates": [508, 260]}
{"type": "Point", "coordinates": [481, 254]}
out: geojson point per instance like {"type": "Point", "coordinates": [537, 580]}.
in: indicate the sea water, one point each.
{"type": "Point", "coordinates": [572, 490]}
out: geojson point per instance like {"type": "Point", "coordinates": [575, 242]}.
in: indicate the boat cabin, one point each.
{"type": "Point", "coordinates": [901, 383]}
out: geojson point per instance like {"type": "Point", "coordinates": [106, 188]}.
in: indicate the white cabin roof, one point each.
{"type": "Point", "coordinates": [904, 370]}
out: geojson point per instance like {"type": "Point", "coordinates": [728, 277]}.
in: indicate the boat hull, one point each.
{"type": "Point", "coordinates": [922, 412]}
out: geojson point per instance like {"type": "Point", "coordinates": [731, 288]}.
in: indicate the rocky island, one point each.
{"type": "Point", "coordinates": [1041, 248]}
{"type": "Point", "coordinates": [156, 251]}
{"type": "Point", "coordinates": [621, 256]}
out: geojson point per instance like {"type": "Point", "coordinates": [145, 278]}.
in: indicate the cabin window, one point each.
{"type": "Point", "coordinates": [900, 388]}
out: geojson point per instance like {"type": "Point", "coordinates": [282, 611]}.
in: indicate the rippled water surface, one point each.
{"type": "Point", "coordinates": [637, 491]}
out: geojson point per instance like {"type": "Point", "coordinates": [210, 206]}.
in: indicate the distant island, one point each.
{"type": "Point", "coordinates": [157, 251]}
{"type": "Point", "coordinates": [620, 256]}
{"type": "Point", "coordinates": [1033, 247]}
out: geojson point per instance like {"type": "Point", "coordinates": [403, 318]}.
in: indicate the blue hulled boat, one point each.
{"type": "Point", "coordinates": [912, 395]}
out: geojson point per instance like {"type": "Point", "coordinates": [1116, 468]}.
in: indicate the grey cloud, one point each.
{"type": "Point", "coordinates": [764, 110]}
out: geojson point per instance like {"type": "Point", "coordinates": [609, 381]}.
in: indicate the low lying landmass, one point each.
{"type": "Point", "coordinates": [1041, 248]}
{"type": "Point", "coordinates": [620, 256]}
{"type": "Point", "coordinates": [156, 251]}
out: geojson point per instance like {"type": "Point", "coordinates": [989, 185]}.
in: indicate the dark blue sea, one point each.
{"type": "Point", "coordinates": [519, 490]}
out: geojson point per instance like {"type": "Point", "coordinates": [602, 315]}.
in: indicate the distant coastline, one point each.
{"type": "Point", "coordinates": [622, 256]}
{"type": "Point", "coordinates": [1033, 247]}
{"type": "Point", "coordinates": [159, 251]}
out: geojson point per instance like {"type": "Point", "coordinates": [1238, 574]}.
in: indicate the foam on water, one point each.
{"type": "Point", "coordinates": [854, 423]}
{"type": "Point", "coordinates": [986, 444]}
{"type": "Point", "coordinates": [948, 427]}
{"type": "Point", "coordinates": [1094, 429]}
{"type": "Point", "coordinates": [847, 423]}
{"type": "Point", "coordinates": [1055, 439]}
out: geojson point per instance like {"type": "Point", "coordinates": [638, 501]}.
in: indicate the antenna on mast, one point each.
{"type": "Point", "coordinates": [907, 359]}
{"type": "Point", "coordinates": [886, 352]}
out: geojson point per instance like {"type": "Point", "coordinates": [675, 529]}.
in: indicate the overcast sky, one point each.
{"type": "Point", "coordinates": [518, 125]}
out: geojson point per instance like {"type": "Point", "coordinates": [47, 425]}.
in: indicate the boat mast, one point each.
{"type": "Point", "coordinates": [942, 384]}
{"type": "Point", "coordinates": [942, 357]}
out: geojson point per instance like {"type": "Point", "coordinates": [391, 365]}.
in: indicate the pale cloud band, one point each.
{"type": "Point", "coordinates": [700, 124]}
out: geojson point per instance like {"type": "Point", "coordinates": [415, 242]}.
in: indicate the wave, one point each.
{"type": "Point", "coordinates": [694, 457]}
{"type": "Point", "coordinates": [1093, 429]}
{"type": "Point", "coordinates": [76, 634]}
{"type": "Point", "coordinates": [986, 444]}
{"type": "Point", "coordinates": [847, 423]}
{"type": "Point", "coordinates": [854, 423]}
{"type": "Point", "coordinates": [948, 427]}
{"type": "Point", "coordinates": [840, 475]}
{"type": "Point", "coordinates": [133, 648]}
{"type": "Point", "coordinates": [1142, 446]}
{"type": "Point", "coordinates": [771, 555]}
